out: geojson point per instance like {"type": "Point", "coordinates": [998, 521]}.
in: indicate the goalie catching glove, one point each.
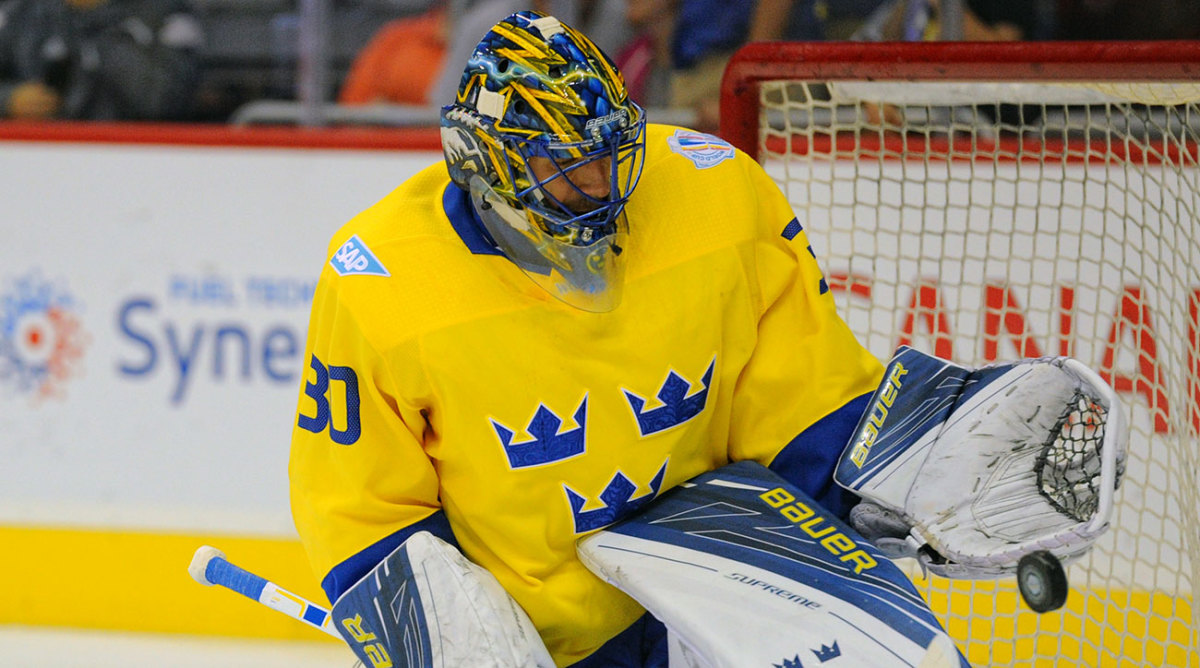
{"type": "Point", "coordinates": [427, 606]}
{"type": "Point", "coordinates": [968, 470]}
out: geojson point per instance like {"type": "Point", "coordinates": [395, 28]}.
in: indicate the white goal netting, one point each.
{"type": "Point", "coordinates": [1030, 214]}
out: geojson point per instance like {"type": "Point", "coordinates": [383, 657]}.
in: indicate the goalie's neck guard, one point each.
{"type": "Point", "coordinates": [590, 277]}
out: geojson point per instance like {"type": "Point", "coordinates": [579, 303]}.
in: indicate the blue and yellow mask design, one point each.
{"type": "Point", "coordinates": [543, 134]}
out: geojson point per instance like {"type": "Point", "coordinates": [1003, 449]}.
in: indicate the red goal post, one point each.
{"type": "Point", "coordinates": [988, 201]}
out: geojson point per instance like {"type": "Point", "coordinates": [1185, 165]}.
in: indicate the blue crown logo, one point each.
{"type": "Point", "coordinates": [677, 407]}
{"type": "Point", "coordinates": [617, 498]}
{"type": "Point", "coordinates": [547, 444]}
{"type": "Point", "coordinates": [793, 662]}
{"type": "Point", "coordinates": [826, 652]}
{"type": "Point", "coordinates": [42, 340]}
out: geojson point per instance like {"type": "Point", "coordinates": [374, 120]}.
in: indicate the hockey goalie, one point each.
{"type": "Point", "coordinates": [1003, 470]}
{"type": "Point", "coordinates": [993, 472]}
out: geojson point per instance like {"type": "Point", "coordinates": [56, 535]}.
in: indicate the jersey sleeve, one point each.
{"type": "Point", "coordinates": [807, 382]}
{"type": "Point", "coordinates": [360, 479]}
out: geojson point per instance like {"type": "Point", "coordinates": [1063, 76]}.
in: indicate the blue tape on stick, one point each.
{"type": "Point", "coordinates": [220, 571]}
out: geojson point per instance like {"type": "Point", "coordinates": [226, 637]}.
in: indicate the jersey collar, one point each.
{"type": "Point", "coordinates": [466, 223]}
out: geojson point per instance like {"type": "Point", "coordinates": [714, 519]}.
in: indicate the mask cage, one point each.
{"type": "Point", "coordinates": [623, 147]}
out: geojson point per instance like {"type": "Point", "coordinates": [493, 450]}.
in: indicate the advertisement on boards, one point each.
{"type": "Point", "coordinates": [153, 309]}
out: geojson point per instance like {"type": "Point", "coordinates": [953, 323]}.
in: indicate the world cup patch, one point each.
{"type": "Point", "coordinates": [702, 149]}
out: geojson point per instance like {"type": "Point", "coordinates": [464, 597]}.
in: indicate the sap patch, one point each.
{"type": "Point", "coordinates": [355, 258]}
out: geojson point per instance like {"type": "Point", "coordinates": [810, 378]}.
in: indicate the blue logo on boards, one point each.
{"type": "Point", "coordinates": [547, 444]}
{"type": "Point", "coordinates": [677, 407]}
{"type": "Point", "coordinates": [355, 258]}
{"type": "Point", "coordinates": [213, 328]}
{"type": "Point", "coordinates": [42, 340]}
{"type": "Point", "coordinates": [702, 149]}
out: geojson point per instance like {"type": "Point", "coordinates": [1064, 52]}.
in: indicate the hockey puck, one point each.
{"type": "Point", "coordinates": [1042, 581]}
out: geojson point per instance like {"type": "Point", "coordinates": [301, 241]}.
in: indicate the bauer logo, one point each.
{"type": "Point", "coordinates": [878, 414]}
{"type": "Point", "coordinates": [355, 258]}
{"type": "Point", "coordinates": [703, 150]}
{"type": "Point", "coordinates": [41, 340]}
{"type": "Point", "coordinates": [619, 117]}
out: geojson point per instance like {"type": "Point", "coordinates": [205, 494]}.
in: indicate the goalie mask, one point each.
{"type": "Point", "coordinates": [545, 138]}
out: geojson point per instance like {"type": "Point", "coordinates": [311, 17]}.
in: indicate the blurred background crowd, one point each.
{"type": "Point", "coordinates": [397, 61]}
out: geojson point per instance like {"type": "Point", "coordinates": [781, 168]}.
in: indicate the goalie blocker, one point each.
{"type": "Point", "coordinates": [427, 606]}
{"type": "Point", "coordinates": [971, 470]}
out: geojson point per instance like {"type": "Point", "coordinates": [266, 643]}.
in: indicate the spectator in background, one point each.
{"type": "Point", "coordinates": [1129, 19]}
{"type": "Point", "coordinates": [695, 39]}
{"type": "Point", "coordinates": [698, 37]}
{"type": "Point", "coordinates": [843, 17]}
{"type": "Point", "coordinates": [707, 32]}
{"type": "Point", "coordinates": [401, 62]}
{"type": "Point", "coordinates": [646, 59]}
{"type": "Point", "coordinates": [982, 21]}
{"type": "Point", "coordinates": [1007, 20]}
{"type": "Point", "coordinates": [98, 59]}
{"type": "Point", "coordinates": [793, 20]}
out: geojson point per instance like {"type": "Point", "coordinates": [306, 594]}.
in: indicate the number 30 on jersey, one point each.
{"type": "Point", "coordinates": [335, 387]}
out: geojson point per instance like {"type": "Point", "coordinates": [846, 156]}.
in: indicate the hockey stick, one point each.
{"type": "Point", "coordinates": [210, 567]}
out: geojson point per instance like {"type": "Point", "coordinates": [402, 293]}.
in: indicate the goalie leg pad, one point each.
{"type": "Point", "coordinates": [427, 605]}
{"type": "Point", "coordinates": [745, 570]}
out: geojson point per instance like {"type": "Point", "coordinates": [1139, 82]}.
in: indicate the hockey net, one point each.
{"type": "Point", "coordinates": [986, 202]}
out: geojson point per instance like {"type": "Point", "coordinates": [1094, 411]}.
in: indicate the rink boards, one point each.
{"type": "Point", "coordinates": [174, 279]}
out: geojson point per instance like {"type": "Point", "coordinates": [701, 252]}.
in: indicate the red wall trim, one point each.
{"type": "Point", "coordinates": [351, 138]}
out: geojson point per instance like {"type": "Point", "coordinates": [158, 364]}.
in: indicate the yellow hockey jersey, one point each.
{"type": "Point", "coordinates": [441, 379]}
